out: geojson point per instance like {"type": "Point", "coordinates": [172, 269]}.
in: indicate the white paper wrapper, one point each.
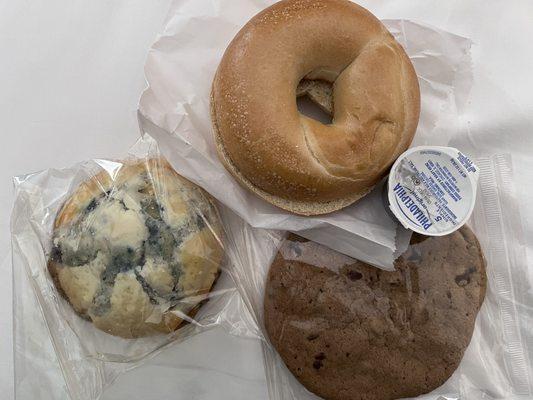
{"type": "Point", "coordinates": [175, 110]}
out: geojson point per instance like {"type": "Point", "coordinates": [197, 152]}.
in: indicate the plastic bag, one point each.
{"type": "Point", "coordinates": [124, 258]}
{"type": "Point", "coordinates": [497, 360]}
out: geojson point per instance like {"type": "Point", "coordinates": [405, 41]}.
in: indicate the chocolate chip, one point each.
{"type": "Point", "coordinates": [320, 356]}
{"type": "Point", "coordinates": [464, 279]}
{"type": "Point", "coordinates": [354, 275]}
{"type": "Point", "coordinates": [317, 364]}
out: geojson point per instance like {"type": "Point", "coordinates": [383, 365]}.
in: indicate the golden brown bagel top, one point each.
{"type": "Point", "coordinates": [291, 160]}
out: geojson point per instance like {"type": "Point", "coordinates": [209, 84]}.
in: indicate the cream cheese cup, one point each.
{"type": "Point", "coordinates": [432, 190]}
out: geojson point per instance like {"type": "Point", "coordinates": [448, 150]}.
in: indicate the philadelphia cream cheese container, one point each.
{"type": "Point", "coordinates": [432, 190]}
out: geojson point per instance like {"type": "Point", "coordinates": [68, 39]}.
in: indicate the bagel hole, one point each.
{"type": "Point", "coordinates": [310, 109]}
{"type": "Point", "coordinates": [314, 100]}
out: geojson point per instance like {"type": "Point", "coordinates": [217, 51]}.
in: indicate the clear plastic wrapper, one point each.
{"type": "Point", "coordinates": [124, 258]}
{"type": "Point", "coordinates": [317, 308]}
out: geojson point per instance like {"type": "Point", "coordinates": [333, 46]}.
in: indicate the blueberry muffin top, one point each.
{"type": "Point", "coordinates": [137, 250]}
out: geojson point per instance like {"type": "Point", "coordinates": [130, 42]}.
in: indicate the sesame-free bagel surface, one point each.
{"type": "Point", "coordinates": [289, 159]}
{"type": "Point", "coordinates": [350, 331]}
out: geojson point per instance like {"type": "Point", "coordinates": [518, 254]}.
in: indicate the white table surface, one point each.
{"type": "Point", "coordinates": [71, 73]}
{"type": "Point", "coordinates": [64, 97]}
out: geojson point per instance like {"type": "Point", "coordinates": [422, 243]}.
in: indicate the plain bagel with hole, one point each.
{"type": "Point", "coordinates": [289, 159]}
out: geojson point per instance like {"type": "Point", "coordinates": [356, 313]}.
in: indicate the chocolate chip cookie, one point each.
{"type": "Point", "coordinates": [348, 330]}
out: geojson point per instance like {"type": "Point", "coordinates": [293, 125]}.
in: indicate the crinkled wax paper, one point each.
{"type": "Point", "coordinates": [175, 110]}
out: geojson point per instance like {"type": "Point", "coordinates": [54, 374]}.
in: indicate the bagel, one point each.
{"type": "Point", "coordinates": [287, 158]}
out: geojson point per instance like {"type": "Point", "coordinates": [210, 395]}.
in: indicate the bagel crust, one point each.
{"type": "Point", "coordinates": [287, 158]}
